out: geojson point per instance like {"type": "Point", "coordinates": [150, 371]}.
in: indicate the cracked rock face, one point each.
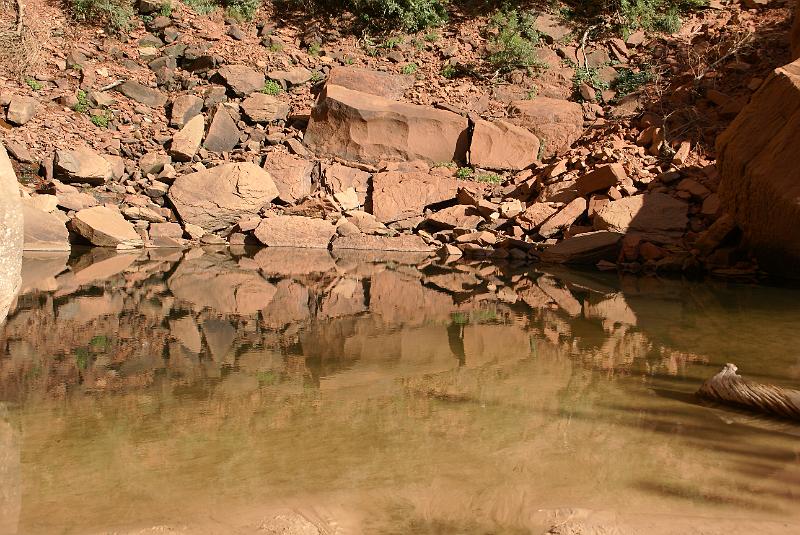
{"type": "Point", "coordinates": [11, 234]}
{"type": "Point", "coordinates": [219, 197]}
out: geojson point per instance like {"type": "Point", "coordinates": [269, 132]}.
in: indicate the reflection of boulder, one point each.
{"type": "Point", "coordinates": [219, 335]}
{"type": "Point", "coordinates": [185, 331]}
{"type": "Point", "coordinates": [344, 299]}
{"type": "Point", "coordinates": [39, 270]}
{"type": "Point", "coordinates": [500, 343]}
{"type": "Point", "coordinates": [401, 299]}
{"type": "Point", "coordinates": [86, 308]}
{"type": "Point", "coordinates": [287, 262]}
{"type": "Point", "coordinates": [218, 283]}
{"type": "Point", "coordinates": [288, 305]}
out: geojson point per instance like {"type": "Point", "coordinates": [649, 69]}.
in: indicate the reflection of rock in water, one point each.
{"type": "Point", "coordinates": [10, 495]}
{"type": "Point", "coordinates": [10, 234]}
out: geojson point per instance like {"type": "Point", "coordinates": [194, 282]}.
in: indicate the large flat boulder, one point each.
{"type": "Point", "coordinates": [295, 231]}
{"type": "Point", "coordinates": [502, 145]}
{"type": "Point", "coordinates": [44, 231]}
{"type": "Point", "coordinates": [263, 108]}
{"type": "Point", "coordinates": [241, 80]}
{"type": "Point", "coordinates": [218, 197]}
{"type": "Point", "coordinates": [657, 217]}
{"type": "Point", "coordinates": [105, 227]}
{"type": "Point", "coordinates": [398, 195]}
{"type": "Point", "coordinates": [82, 165]}
{"type": "Point", "coordinates": [359, 126]}
{"type": "Point", "coordinates": [588, 248]}
{"type": "Point", "coordinates": [557, 123]}
{"type": "Point", "coordinates": [382, 84]}
{"type": "Point", "coordinates": [760, 176]}
{"type": "Point", "coordinates": [362, 242]}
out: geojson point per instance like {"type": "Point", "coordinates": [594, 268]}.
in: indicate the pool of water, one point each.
{"type": "Point", "coordinates": [290, 391]}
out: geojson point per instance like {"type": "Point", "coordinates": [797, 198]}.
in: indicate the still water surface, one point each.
{"type": "Point", "coordinates": [284, 391]}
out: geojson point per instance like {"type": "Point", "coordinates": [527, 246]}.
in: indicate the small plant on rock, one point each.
{"type": "Point", "coordinates": [410, 68]}
{"type": "Point", "coordinates": [464, 173]}
{"type": "Point", "coordinates": [101, 120]}
{"type": "Point", "coordinates": [166, 9]}
{"type": "Point", "coordinates": [628, 81]}
{"type": "Point", "coordinates": [489, 178]}
{"type": "Point", "coordinates": [202, 7]}
{"type": "Point", "coordinates": [34, 84]}
{"type": "Point", "coordinates": [83, 102]}
{"type": "Point", "coordinates": [271, 88]}
{"type": "Point", "coordinates": [242, 9]}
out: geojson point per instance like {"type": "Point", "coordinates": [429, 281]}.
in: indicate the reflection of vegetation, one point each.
{"type": "Point", "coordinates": [100, 343]}
{"type": "Point", "coordinates": [82, 358]}
{"type": "Point", "coordinates": [268, 378]}
{"type": "Point", "coordinates": [475, 316]}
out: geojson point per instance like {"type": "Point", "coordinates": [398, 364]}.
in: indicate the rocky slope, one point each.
{"type": "Point", "coordinates": [195, 128]}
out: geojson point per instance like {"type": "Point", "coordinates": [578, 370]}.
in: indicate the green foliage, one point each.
{"type": "Point", "coordinates": [271, 88]}
{"type": "Point", "coordinates": [432, 37]}
{"type": "Point", "coordinates": [589, 76]}
{"type": "Point", "coordinates": [34, 84]}
{"type": "Point", "coordinates": [628, 81]}
{"type": "Point", "coordinates": [101, 120]}
{"type": "Point", "coordinates": [464, 173]}
{"type": "Point", "coordinates": [410, 68]}
{"type": "Point", "coordinates": [317, 77]}
{"type": "Point", "coordinates": [489, 178]}
{"type": "Point", "coordinates": [166, 9]}
{"type": "Point", "coordinates": [629, 16]}
{"type": "Point", "coordinates": [83, 102]}
{"type": "Point", "coordinates": [115, 15]}
{"type": "Point", "coordinates": [314, 49]}
{"type": "Point", "coordinates": [82, 358]}
{"type": "Point", "coordinates": [202, 7]}
{"type": "Point", "coordinates": [242, 9]}
{"type": "Point", "coordinates": [267, 378]}
{"type": "Point", "coordinates": [100, 342]}
{"type": "Point", "coordinates": [513, 46]}
{"type": "Point", "coordinates": [405, 15]}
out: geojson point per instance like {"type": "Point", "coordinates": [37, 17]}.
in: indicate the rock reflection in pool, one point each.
{"type": "Point", "coordinates": [386, 394]}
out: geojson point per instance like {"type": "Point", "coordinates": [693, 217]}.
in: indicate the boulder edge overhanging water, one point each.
{"type": "Point", "coordinates": [11, 234]}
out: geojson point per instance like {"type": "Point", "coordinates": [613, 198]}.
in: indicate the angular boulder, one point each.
{"type": "Point", "coordinates": [588, 248]}
{"type": "Point", "coordinates": [21, 110]}
{"type": "Point", "coordinates": [402, 243]}
{"type": "Point", "coordinates": [458, 216]}
{"type": "Point", "coordinates": [564, 218]}
{"type": "Point", "coordinates": [216, 198]}
{"type": "Point", "coordinates": [502, 146]}
{"type": "Point", "coordinates": [143, 94]}
{"type": "Point", "coordinates": [557, 123]}
{"type": "Point", "coordinates": [241, 80]}
{"type": "Point", "coordinates": [263, 108]}
{"type": "Point", "coordinates": [43, 231]}
{"type": "Point", "coordinates": [82, 165]}
{"type": "Point", "coordinates": [656, 217]}
{"type": "Point", "coordinates": [760, 175]}
{"type": "Point", "coordinates": [223, 134]}
{"type": "Point", "coordinates": [295, 231]}
{"type": "Point", "coordinates": [186, 141]}
{"type": "Point", "coordinates": [397, 196]}
{"type": "Point", "coordinates": [382, 84]}
{"type": "Point", "coordinates": [363, 127]}
{"type": "Point", "coordinates": [337, 177]}
{"type": "Point", "coordinates": [104, 227]}
{"type": "Point", "coordinates": [601, 178]}
{"type": "Point", "coordinates": [184, 107]}
{"type": "Point", "coordinates": [291, 174]}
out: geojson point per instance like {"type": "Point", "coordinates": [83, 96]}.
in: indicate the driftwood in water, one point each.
{"type": "Point", "coordinates": [728, 387]}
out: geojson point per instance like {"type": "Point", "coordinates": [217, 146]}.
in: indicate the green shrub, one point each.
{"type": "Point", "coordinates": [271, 88]}
{"type": "Point", "coordinates": [489, 178]}
{"type": "Point", "coordinates": [514, 44]}
{"type": "Point", "coordinates": [464, 173]}
{"type": "Point", "coordinates": [102, 119]}
{"type": "Point", "coordinates": [115, 15]}
{"type": "Point", "coordinates": [628, 81]}
{"type": "Point", "coordinates": [242, 9]}
{"type": "Point", "coordinates": [83, 102]}
{"type": "Point", "coordinates": [406, 15]}
{"type": "Point", "coordinates": [34, 84]}
{"type": "Point", "coordinates": [629, 16]}
{"type": "Point", "coordinates": [410, 68]}
{"type": "Point", "coordinates": [202, 7]}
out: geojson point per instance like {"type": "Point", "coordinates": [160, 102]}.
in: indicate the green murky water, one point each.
{"type": "Point", "coordinates": [299, 392]}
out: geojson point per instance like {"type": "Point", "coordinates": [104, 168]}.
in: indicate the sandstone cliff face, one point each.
{"type": "Point", "coordinates": [757, 159]}
{"type": "Point", "coordinates": [11, 233]}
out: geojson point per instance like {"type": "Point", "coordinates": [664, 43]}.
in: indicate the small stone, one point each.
{"type": "Point", "coordinates": [21, 110]}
